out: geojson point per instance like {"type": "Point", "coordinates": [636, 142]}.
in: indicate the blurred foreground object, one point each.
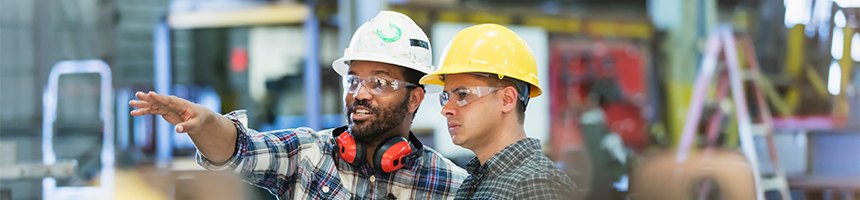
{"type": "Point", "coordinates": [138, 178]}
{"type": "Point", "coordinates": [662, 177]}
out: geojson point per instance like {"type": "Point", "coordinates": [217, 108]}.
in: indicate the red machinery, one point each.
{"type": "Point", "coordinates": [614, 75]}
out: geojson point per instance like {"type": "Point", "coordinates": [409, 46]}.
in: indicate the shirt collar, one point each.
{"type": "Point", "coordinates": [509, 158]}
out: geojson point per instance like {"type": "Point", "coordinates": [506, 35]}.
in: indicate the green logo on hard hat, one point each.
{"type": "Point", "coordinates": [385, 37]}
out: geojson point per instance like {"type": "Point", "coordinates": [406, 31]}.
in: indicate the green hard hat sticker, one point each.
{"type": "Point", "coordinates": [385, 37]}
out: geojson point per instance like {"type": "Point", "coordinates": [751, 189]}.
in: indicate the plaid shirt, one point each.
{"type": "Point", "coordinates": [520, 171]}
{"type": "Point", "coordinates": [301, 164]}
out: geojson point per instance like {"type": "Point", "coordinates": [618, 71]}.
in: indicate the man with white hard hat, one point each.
{"type": "Point", "coordinates": [375, 156]}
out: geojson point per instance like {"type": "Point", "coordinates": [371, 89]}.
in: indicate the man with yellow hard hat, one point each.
{"type": "Point", "coordinates": [489, 74]}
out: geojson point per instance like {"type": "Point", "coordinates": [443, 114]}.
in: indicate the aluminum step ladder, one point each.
{"type": "Point", "coordinates": [732, 78]}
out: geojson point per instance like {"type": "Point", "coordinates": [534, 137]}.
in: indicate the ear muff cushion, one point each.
{"type": "Point", "coordinates": [350, 150]}
{"type": "Point", "coordinates": [388, 156]}
{"type": "Point", "coordinates": [360, 154]}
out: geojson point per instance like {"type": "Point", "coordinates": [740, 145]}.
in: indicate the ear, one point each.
{"type": "Point", "coordinates": [415, 98]}
{"type": "Point", "coordinates": [509, 100]}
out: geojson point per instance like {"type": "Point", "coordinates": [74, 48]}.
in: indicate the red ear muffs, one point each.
{"type": "Point", "coordinates": [350, 150]}
{"type": "Point", "coordinates": [389, 156]}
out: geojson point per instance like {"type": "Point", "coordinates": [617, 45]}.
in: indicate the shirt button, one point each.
{"type": "Point", "coordinates": [372, 178]}
{"type": "Point", "coordinates": [325, 189]}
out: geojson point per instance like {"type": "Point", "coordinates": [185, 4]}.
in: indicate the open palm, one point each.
{"type": "Point", "coordinates": [187, 116]}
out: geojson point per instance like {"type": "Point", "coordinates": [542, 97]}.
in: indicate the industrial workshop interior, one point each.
{"type": "Point", "coordinates": [630, 99]}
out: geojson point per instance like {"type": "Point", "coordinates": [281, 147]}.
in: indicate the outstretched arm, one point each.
{"type": "Point", "coordinates": [213, 134]}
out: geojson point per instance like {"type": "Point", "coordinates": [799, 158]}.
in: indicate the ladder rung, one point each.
{"type": "Point", "coordinates": [759, 129]}
{"type": "Point", "coordinates": [746, 74]}
{"type": "Point", "coordinates": [774, 183]}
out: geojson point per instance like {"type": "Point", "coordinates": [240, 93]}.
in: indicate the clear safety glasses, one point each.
{"type": "Point", "coordinates": [376, 84]}
{"type": "Point", "coordinates": [465, 95]}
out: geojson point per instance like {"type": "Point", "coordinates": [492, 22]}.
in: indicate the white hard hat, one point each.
{"type": "Point", "coordinates": [390, 37]}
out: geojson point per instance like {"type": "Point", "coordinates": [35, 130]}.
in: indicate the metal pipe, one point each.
{"type": "Point", "coordinates": [312, 69]}
{"type": "Point", "coordinates": [161, 42]}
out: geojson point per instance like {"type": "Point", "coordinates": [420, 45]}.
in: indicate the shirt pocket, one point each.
{"type": "Point", "coordinates": [326, 186]}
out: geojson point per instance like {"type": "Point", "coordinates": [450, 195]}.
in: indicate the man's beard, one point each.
{"type": "Point", "coordinates": [385, 120]}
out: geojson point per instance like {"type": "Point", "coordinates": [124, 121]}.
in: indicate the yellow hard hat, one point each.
{"type": "Point", "coordinates": [488, 48]}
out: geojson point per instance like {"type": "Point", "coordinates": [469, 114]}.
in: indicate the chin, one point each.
{"type": "Point", "coordinates": [361, 123]}
{"type": "Point", "coordinates": [357, 124]}
{"type": "Point", "coordinates": [458, 141]}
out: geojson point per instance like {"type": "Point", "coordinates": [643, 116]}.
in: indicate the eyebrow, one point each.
{"type": "Point", "coordinates": [456, 89]}
{"type": "Point", "coordinates": [377, 72]}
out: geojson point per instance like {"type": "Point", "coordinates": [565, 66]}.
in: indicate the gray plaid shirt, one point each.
{"type": "Point", "coordinates": [520, 171]}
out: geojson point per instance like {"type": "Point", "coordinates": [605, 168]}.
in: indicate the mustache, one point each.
{"type": "Point", "coordinates": [363, 103]}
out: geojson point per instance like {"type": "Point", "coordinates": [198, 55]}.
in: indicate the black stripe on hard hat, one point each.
{"type": "Point", "coordinates": [419, 43]}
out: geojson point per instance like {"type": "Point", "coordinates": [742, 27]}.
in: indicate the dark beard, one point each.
{"type": "Point", "coordinates": [386, 119]}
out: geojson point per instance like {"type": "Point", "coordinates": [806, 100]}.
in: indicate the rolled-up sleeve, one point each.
{"type": "Point", "coordinates": [239, 119]}
{"type": "Point", "coordinates": [267, 159]}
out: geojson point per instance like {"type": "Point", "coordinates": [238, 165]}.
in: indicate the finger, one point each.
{"type": "Point", "coordinates": [139, 104]}
{"type": "Point", "coordinates": [135, 113]}
{"type": "Point", "coordinates": [185, 127]}
{"type": "Point", "coordinates": [170, 102]}
{"type": "Point", "coordinates": [140, 112]}
{"type": "Point", "coordinates": [171, 117]}
{"type": "Point", "coordinates": [148, 111]}
{"type": "Point", "coordinates": [151, 110]}
{"type": "Point", "coordinates": [190, 126]}
{"type": "Point", "coordinates": [143, 96]}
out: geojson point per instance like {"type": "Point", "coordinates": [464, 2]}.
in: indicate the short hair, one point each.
{"type": "Point", "coordinates": [494, 81]}
{"type": "Point", "coordinates": [412, 76]}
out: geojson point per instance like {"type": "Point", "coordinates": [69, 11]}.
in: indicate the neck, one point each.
{"type": "Point", "coordinates": [503, 136]}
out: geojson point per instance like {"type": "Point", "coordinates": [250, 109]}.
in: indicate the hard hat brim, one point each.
{"type": "Point", "coordinates": [435, 78]}
{"type": "Point", "coordinates": [341, 66]}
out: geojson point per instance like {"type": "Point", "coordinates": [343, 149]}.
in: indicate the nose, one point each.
{"type": "Point", "coordinates": [448, 109]}
{"type": "Point", "coordinates": [363, 93]}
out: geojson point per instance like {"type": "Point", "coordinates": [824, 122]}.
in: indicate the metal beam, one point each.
{"type": "Point", "coordinates": [312, 69]}
{"type": "Point", "coordinates": [295, 13]}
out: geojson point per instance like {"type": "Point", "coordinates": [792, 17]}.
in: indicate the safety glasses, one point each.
{"type": "Point", "coordinates": [465, 95]}
{"type": "Point", "coordinates": [376, 84]}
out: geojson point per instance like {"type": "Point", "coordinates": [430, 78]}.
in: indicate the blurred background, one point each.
{"type": "Point", "coordinates": [645, 99]}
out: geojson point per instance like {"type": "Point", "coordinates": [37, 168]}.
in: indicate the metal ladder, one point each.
{"type": "Point", "coordinates": [733, 79]}
{"type": "Point", "coordinates": [105, 190]}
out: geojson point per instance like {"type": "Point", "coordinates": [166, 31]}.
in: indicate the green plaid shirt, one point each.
{"type": "Point", "coordinates": [520, 171]}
